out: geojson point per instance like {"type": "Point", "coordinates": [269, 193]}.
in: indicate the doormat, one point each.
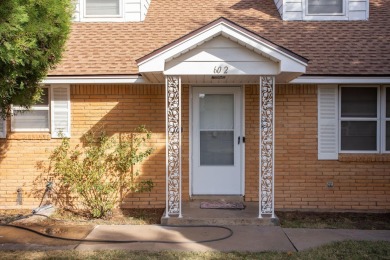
{"type": "Point", "coordinates": [221, 204]}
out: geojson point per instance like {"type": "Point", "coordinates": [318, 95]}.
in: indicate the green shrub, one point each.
{"type": "Point", "coordinates": [102, 171]}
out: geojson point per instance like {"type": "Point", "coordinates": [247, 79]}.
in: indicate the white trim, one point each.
{"type": "Point", "coordinates": [273, 144]}
{"type": "Point", "coordinates": [287, 62]}
{"type": "Point", "coordinates": [136, 79]}
{"type": "Point", "coordinates": [180, 150]}
{"type": "Point", "coordinates": [126, 79]}
{"type": "Point", "coordinates": [34, 108]}
{"type": "Point", "coordinates": [166, 151]}
{"type": "Point", "coordinates": [67, 110]}
{"type": "Point", "coordinates": [243, 144]}
{"type": "Point", "coordinates": [385, 119]}
{"type": "Point", "coordinates": [217, 89]}
{"type": "Point", "coordinates": [327, 125]}
{"type": "Point", "coordinates": [376, 119]}
{"type": "Point", "coordinates": [190, 146]}
{"type": "Point", "coordinates": [325, 17]}
{"type": "Point", "coordinates": [340, 80]}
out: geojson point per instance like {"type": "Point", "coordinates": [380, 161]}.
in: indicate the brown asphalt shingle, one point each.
{"type": "Point", "coordinates": [337, 48]}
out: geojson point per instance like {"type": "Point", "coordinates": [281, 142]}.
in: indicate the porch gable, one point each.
{"type": "Point", "coordinates": [222, 48]}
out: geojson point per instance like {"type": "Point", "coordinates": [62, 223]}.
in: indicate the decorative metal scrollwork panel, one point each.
{"type": "Point", "coordinates": [173, 117]}
{"type": "Point", "coordinates": [266, 145]}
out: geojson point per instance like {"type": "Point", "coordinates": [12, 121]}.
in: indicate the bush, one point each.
{"type": "Point", "coordinates": [101, 172]}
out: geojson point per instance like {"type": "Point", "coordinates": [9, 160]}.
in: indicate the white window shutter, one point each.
{"type": "Point", "coordinates": [3, 128]}
{"type": "Point", "coordinates": [60, 111]}
{"type": "Point", "coordinates": [328, 129]}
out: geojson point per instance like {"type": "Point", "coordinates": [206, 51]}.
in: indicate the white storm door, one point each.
{"type": "Point", "coordinates": [216, 141]}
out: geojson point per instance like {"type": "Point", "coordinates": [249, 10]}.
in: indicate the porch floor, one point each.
{"type": "Point", "coordinates": [193, 215]}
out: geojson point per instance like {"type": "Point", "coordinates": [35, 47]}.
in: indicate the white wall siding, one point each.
{"type": "Point", "coordinates": [279, 6]}
{"type": "Point", "coordinates": [144, 8]}
{"type": "Point", "coordinates": [132, 11]}
{"type": "Point", "coordinates": [221, 56]}
{"type": "Point", "coordinates": [358, 9]}
{"type": "Point", "coordinates": [294, 10]}
{"type": "Point", "coordinates": [76, 12]}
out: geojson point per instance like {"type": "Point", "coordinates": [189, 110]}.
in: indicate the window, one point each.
{"type": "Point", "coordinates": [361, 121]}
{"type": "Point", "coordinates": [3, 128]}
{"type": "Point", "coordinates": [37, 119]}
{"type": "Point", "coordinates": [102, 8]}
{"type": "Point", "coordinates": [324, 7]}
{"type": "Point", "coordinates": [51, 114]}
{"type": "Point", "coordinates": [353, 119]}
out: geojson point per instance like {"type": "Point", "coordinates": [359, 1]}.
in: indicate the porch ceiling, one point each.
{"type": "Point", "coordinates": [222, 53]}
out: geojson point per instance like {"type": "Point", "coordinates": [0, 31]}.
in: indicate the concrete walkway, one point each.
{"type": "Point", "coordinates": [244, 238]}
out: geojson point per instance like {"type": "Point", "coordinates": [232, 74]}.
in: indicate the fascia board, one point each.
{"type": "Point", "coordinates": [93, 80]}
{"type": "Point", "coordinates": [157, 63]}
{"type": "Point", "coordinates": [340, 80]}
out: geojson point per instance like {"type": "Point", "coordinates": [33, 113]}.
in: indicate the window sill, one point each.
{"type": "Point", "coordinates": [364, 157]}
{"type": "Point", "coordinates": [29, 136]}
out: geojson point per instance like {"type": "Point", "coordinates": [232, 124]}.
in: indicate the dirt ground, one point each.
{"type": "Point", "coordinates": [344, 220]}
{"type": "Point", "coordinates": [66, 224]}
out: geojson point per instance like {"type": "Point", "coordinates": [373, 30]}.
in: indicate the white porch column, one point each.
{"type": "Point", "coordinates": [173, 145]}
{"type": "Point", "coordinates": [267, 141]}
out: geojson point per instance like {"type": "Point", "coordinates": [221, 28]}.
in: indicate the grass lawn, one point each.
{"type": "Point", "coordinates": [339, 250]}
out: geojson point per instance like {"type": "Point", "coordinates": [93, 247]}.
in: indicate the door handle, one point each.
{"type": "Point", "coordinates": [239, 139]}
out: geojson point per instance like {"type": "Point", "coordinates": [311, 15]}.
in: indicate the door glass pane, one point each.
{"type": "Point", "coordinates": [388, 136]}
{"type": "Point", "coordinates": [102, 7]}
{"type": "Point", "coordinates": [216, 111]}
{"type": "Point", "coordinates": [358, 135]}
{"type": "Point", "coordinates": [216, 148]}
{"type": "Point", "coordinates": [359, 102]}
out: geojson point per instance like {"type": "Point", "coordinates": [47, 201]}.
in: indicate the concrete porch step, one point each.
{"type": "Point", "coordinates": [194, 216]}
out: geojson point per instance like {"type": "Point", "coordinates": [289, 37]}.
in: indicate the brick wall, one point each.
{"type": "Point", "coordinates": [116, 108]}
{"type": "Point", "coordinates": [361, 182]}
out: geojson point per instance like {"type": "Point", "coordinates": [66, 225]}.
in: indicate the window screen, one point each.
{"type": "Point", "coordinates": [35, 119]}
{"type": "Point", "coordinates": [324, 7]}
{"type": "Point", "coordinates": [102, 7]}
{"type": "Point", "coordinates": [359, 118]}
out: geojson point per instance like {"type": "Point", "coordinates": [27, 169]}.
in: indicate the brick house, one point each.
{"type": "Point", "coordinates": [285, 103]}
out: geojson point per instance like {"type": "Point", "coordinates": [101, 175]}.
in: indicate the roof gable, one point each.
{"type": "Point", "coordinates": [279, 60]}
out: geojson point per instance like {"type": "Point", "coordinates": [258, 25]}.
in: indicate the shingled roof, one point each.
{"type": "Point", "coordinates": [333, 47]}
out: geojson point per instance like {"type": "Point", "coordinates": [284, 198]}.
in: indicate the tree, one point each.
{"type": "Point", "coordinates": [32, 39]}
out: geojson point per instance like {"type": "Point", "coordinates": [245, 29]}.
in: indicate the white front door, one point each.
{"type": "Point", "coordinates": [216, 141]}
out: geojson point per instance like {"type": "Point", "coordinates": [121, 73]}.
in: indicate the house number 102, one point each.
{"type": "Point", "coordinates": [221, 69]}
